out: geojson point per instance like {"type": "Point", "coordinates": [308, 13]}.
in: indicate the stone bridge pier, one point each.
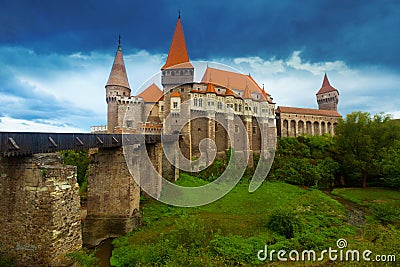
{"type": "Point", "coordinates": [113, 192]}
{"type": "Point", "coordinates": [39, 210]}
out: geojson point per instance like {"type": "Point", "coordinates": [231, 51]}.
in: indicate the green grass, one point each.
{"type": "Point", "coordinates": [236, 221]}
{"type": "Point", "coordinates": [367, 196]}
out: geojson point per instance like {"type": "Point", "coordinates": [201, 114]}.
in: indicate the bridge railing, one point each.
{"type": "Point", "coordinates": [19, 144]}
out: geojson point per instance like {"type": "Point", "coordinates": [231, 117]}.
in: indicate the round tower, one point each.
{"type": "Point", "coordinates": [327, 96]}
{"type": "Point", "coordinates": [117, 87]}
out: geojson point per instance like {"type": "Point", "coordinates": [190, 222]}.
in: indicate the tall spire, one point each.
{"type": "Point", "coordinates": [210, 87]}
{"type": "Point", "coordinates": [177, 52]}
{"type": "Point", "coordinates": [118, 75]}
{"type": "Point", "coordinates": [326, 86]}
{"type": "Point", "coordinates": [247, 94]}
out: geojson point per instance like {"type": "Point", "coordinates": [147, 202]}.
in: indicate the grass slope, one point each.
{"type": "Point", "coordinates": [231, 230]}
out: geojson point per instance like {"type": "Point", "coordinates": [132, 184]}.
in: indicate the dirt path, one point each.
{"type": "Point", "coordinates": [355, 213]}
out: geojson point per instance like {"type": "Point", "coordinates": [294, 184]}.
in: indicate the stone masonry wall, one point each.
{"type": "Point", "coordinates": [40, 210]}
{"type": "Point", "coordinates": [113, 197]}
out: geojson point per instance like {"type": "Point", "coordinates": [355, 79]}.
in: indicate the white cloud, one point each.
{"type": "Point", "coordinates": [260, 65]}
{"type": "Point", "coordinates": [76, 83]}
{"type": "Point", "coordinates": [8, 124]}
{"type": "Point", "coordinates": [319, 68]}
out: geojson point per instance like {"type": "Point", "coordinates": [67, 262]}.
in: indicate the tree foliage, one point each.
{"type": "Point", "coordinates": [362, 142]}
{"type": "Point", "coordinates": [306, 160]}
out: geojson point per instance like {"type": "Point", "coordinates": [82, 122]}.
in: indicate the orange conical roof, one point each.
{"type": "Point", "coordinates": [118, 72]}
{"type": "Point", "coordinates": [229, 92]}
{"type": "Point", "coordinates": [177, 52]}
{"type": "Point", "coordinates": [246, 94]}
{"type": "Point", "coordinates": [326, 86]}
{"type": "Point", "coordinates": [210, 88]}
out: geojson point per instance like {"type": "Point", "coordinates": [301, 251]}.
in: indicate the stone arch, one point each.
{"type": "Point", "coordinates": [285, 128]}
{"type": "Point", "coordinates": [316, 128]}
{"type": "Point", "coordinates": [329, 126]}
{"type": "Point", "coordinates": [293, 128]}
{"type": "Point", "coordinates": [308, 128]}
{"type": "Point", "coordinates": [334, 127]}
{"type": "Point", "coordinates": [323, 127]}
{"type": "Point", "coordinates": [300, 127]}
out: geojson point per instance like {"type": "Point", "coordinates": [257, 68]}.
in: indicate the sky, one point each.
{"type": "Point", "coordinates": [56, 56]}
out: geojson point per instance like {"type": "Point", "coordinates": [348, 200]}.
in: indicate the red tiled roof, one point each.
{"type": "Point", "coordinates": [210, 88]}
{"type": "Point", "coordinates": [308, 111]}
{"type": "Point", "coordinates": [151, 94]}
{"type": "Point", "coordinates": [326, 86]}
{"type": "Point", "coordinates": [232, 80]}
{"type": "Point", "coordinates": [118, 72]}
{"type": "Point", "coordinates": [177, 52]}
{"type": "Point", "coordinates": [175, 94]}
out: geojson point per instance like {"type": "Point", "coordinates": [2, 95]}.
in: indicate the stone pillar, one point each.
{"type": "Point", "coordinates": [211, 134]}
{"type": "Point", "coordinates": [113, 196]}
{"type": "Point", "coordinates": [230, 131]}
{"type": "Point", "coordinates": [147, 174]}
{"type": "Point", "coordinates": [40, 210]}
{"type": "Point", "coordinates": [249, 130]}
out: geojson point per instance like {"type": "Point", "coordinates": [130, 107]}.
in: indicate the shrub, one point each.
{"type": "Point", "coordinates": [386, 213]}
{"type": "Point", "coordinates": [236, 249]}
{"type": "Point", "coordinates": [283, 222]}
{"type": "Point", "coordinates": [188, 233]}
{"type": "Point", "coordinates": [84, 257]}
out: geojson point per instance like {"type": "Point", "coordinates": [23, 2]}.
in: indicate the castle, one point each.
{"type": "Point", "coordinates": [201, 110]}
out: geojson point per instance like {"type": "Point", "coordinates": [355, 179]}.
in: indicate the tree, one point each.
{"type": "Point", "coordinates": [361, 142]}
{"type": "Point", "coordinates": [391, 166]}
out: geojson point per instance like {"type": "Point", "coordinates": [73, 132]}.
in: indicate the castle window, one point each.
{"type": "Point", "coordinates": [129, 124]}
{"type": "Point", "coordinates": [195, 102]}
{"type": "Point", "coordinates": [173, 73]}
{"type": "Point", "coordinates": [162, 108]}
{"type": "Point", "coordinates": [254, 129]}
{"type": "Point", "coordinates": [255, 110]}
{"type": "Point", "coordinates": [175, 104]}
{"type": "Point", "coordinates": [171, 90]}
{"type": "Point", "coordinates": [219, 105]}
{"type": "Point", "coordinates": [150, 111]}
{"type": "Point", "coordinates": [240, 108]}
{"type": "Point", "coordinates": [200, 102]}
{"type": "Point", "coordinates": [182, 90]}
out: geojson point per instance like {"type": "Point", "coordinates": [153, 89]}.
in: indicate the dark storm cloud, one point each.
{"type": "Point", "coordinates": [360, 32]}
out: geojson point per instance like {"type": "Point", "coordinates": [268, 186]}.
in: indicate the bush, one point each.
{"type": "Point", "coordinates": [284, 223]}
{"type": "Point", "coordinates": [84, 257]}
{"type": "Point", "coordinates": [386, 213]}
{"type": "Point", "coordinates": [236, 249]}
{"type": "Point", "coordinates": [189, 233]}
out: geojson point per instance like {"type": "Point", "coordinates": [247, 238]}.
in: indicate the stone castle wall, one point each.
{"type": "Point", "coordinates": [40, 210]}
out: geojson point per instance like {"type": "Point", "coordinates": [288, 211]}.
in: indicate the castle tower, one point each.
{"type": "Point", "coordinates": [177, 70]}
{"type": "Point", "coordinates": [327, 96]}
{"type": "Point", "coordinates": [117, 86]}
